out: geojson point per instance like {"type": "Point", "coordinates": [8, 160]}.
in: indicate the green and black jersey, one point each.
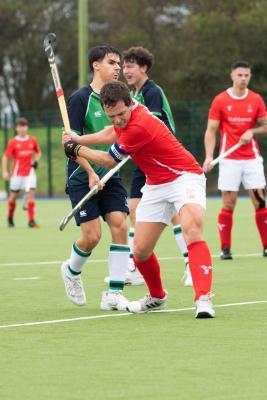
{"type": "Point", "coordinates": [153, 97]}
{"type": "Point", "coordinates": [86, 115]}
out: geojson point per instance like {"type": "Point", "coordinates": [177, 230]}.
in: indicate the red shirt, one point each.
{"type": "Point", "coordinates": [21, 149]}
{"type": "Point", "coordinates": [154, 148]}
{"type": "Point", "coordinates": [236, 116]}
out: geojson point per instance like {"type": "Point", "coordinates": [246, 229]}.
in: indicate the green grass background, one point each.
{"type": "Point", "coordinates": [149, 356]}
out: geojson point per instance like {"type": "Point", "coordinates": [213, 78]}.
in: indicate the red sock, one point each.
{"type": "Point", "coordinates": [225, 223]}
{"type": "Point", "coordinates": [200, 265]}
{"type": "Point", "coordinates": [31, 210]}
{"type": "Point", "coordinates": [261, 221]}
{"type": "Point", "coordinates": [11, 208]}
{"type": "Point", "coordinates": [151, 272]}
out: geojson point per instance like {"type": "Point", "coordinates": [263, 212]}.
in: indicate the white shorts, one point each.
{"type": "Point", "coordinates": [23, 182]}
{"type": "Point", "coordinates": [234, 172]}
{"type": "Point", "coordinates": [160, 202]}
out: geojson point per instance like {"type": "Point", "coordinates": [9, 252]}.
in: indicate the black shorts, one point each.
{"type": "Point", "coordinates": [112, 198]}
{"type": "Point", "coordinates": [138, 181]}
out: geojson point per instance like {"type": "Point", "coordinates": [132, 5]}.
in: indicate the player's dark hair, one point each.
{"type": "Point", "coordinates": [139, 55]}
{"type": "Point", "coordinates": [240, 64]}
{"type": "Point", "coordinates": [113, 92]}
{"type": "Point", "coordinates": [22, 121]}
{"type": "Point", "coordinates": [98, 53]}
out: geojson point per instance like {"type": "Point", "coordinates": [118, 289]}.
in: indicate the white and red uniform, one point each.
{"type": "Point", "coordinates": [173, 176]}
{"type": "Point", "coordinates": [21, 150]}
{"type": "Point", "coordinates": [236, 116]}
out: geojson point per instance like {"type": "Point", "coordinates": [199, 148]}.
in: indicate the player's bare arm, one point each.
{"type": "Point", "coordinates": [261, 129]}
{"type": "Point", "coordinates": [210, 142]}
{"type": "Point", "coordinates": [5, 172]}
{"type": "Point", "coordinates": [104, 137]}
{"type": "Point", "coordinates": [98, 157]}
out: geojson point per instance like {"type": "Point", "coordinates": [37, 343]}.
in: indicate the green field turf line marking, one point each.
{"type": "Point", "coordinates": [91, 261]}
{"type": "Point", "coordinates": [93, 317]}
{"type": "Point", "coordinates": [30, 278]}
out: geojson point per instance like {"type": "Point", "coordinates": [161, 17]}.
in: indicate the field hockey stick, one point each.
{"type": "Point", "coordinates": [27, 188]}
{"type": "Point", "coordinates": [225, 154]}
{"type": "Point", "coordinates": [90, 194]}
{"type": "Point", "coordinates": [49, 42]}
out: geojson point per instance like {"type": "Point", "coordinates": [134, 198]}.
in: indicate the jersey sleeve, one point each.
{"type": "Point", "coordinates": [76, 111]}
{"type": "Point", "coordinates": [153, 101]}
{"type": "Point", "coordinates": [215, 110]}
{"type": "Point", "coordinates": [261, 108]}
{"type": "Point", "coordinates": [9, 149]}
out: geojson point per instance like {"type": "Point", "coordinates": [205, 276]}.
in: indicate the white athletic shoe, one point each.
{"type": "Point", "coordinates": [187, 278]}
{"type": "Point", "coordinates": [113, 300]}
{"type": "Point", "coordinates": [73, 286]}
{"type": "Point", "coordinates": [134, 278]}
{"type": "Point", "coordinates": [204, 307]}
{"type": "Point", "coordinates": [148, 303]}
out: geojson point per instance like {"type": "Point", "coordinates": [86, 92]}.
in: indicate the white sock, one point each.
{"type": "Point", "coordinates": [78, 258]}
{"type": "Point", "coordinates": [131, 240]}
{"type": "Point", "coordinates": [177, 230]}
{"type": "Point", "coordinates": [118, 263]}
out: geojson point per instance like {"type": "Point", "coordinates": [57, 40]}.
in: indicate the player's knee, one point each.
{"type": "Point", "coordinates": [91, 239]}
{"type": "Point", "coordinates": [192, 233]}
{"type": "Point", "coordinates": [141, 252]}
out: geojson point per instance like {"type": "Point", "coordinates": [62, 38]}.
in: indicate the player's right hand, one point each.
{"type": "Point", "coordinates": [94, 180]}
{"type": "Point", "coordinates": [67, 136]}
{"type": "Point", "coordinates": [5, 176]}
{"type": "Point", "coordinates": [206, 165]}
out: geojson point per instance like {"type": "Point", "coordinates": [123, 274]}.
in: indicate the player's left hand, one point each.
{"type": "Point", "coordinates": [71, 149]}
{"type": "Point", "coordinates": [94, 180]}
{"type": "Point", "coordinates": [35, 164]}
{"type": "Point", "coordinates": [246, 137]}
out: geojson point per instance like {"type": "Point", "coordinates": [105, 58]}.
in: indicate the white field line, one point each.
{"type": "Point", "coordinates": [93, 317]}
{"type": "Point", "coordinates": [30, 278]}
{"type": "Point", "coordinates": [97, 261]}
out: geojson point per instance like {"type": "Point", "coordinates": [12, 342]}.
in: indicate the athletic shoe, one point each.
{"type": "Point", "coordinates": [33, 224]}
{"type": "Point", "coordinates": [226, 254]}
{"type": "Point", "coordinates": [73, 286]}
{"type": "Point", "coordinates": [10, 222]}
{"type": "Point", "coordinates": [134, 278]}
{"type": "Point", "coordinates": [204, 307]}
{"type": "Point", "coordinates": [187, 278]}
{"type": "Point", "coordinates": [264, 252]}
{"type": "Point", "coordinates": [113, 300]}
{"type": "Point", "coordinates": [148, 303]}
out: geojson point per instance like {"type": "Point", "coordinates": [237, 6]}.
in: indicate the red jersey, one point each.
{"type": "Point", "coordinates": [236, 116]}
{"type": "Point", "coordinates": [153, 148]}
{"type": "Point", "coordinates": [21, 149]}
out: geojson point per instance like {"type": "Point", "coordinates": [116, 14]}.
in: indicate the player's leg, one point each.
{"type": "Point", "coordinates": [133, 277]}
{"type": "Point", "coordinates": [225, 223]}
{"type": "Point", "coordinates": [11, 205]}
{"type": "Point", "coordinates": [254, 181]}
{"type": "Point", "coordinates": [31, 201]}
{"type": "Point", "coordinates": [88, 220]}
{"type": "Point", "coordinates": [114, 209]}
{"type": "Point", "coordinates": [230, 177]}
{"type": "Point", "coordinates": [146, 237]}
{"type": "Point", "coordinates": [177, 231]}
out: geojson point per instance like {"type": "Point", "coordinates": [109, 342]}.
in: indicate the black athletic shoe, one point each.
{"type": "Point", "coordinates": [33, 224]}
{"type": "Point", "coordinates": [10, 222]}
{"type": "Point", "coordinates": [264, 252]}
{"type": "Point", "coordinates": [227, 255]}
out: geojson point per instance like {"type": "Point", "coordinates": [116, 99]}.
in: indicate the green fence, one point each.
{"type": "Point", "coordinates": [190, 119]}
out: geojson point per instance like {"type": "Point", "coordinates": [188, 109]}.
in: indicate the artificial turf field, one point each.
{"type": "Point", "coordinates": [85, 353]}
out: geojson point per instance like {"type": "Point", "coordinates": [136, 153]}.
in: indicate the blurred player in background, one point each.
{"type": "Point", "coordinates": [25, 152]}
{"type": "Point", "coordinates": [174, 183]}
{"type": "Point", "coordinates": [137, 62]}
{"type": "Point", "coordinates": [87, 115]}
{"type": "Point", "coordinates": [239, 114]}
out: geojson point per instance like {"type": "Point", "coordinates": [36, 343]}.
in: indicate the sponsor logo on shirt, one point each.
{"type": "Point", "coordinates": [239, 120]}
{"type": "Point", "coordinates": [98, 114]}
{"type": "Point", "coordinates": [229, 108]}
{"type": "Point", "coordinates": [250, 109]}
